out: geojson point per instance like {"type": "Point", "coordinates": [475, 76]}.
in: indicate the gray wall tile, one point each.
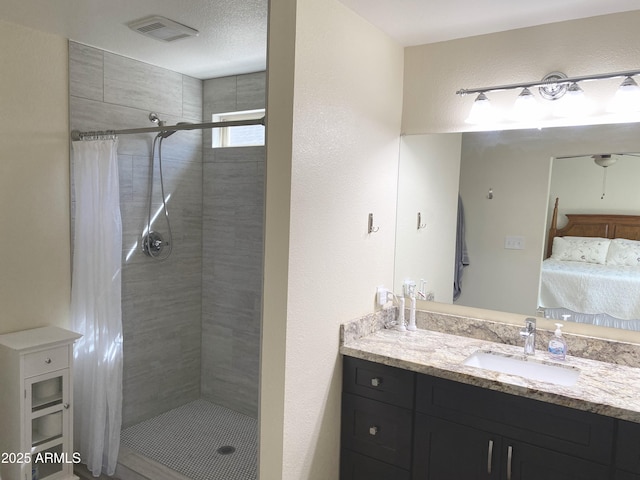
{"type": "Point", "coordinates": [140, 85]}
{"type": "Point", "coordinates": [161, 301]}
{"type": "Point", "coordinates": [251, 91]}
{"type": "Point", "coordinates": [86, 71]}
{"type": "Point", "coordinates": [232, 226]}
{"type": "Point", "coordinates": [192, 93]}
{"type": "Point", "coordinates": [220, 95]}
{"type": "Point", "coordinates": [192, 322]}
{"type": "Point", "coordinates": [232, 277]}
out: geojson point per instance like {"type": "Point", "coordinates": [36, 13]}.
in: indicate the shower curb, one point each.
{"type": "Point", "coordinates": [134, 466]}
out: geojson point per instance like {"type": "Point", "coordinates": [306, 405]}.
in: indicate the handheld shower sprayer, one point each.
{"type": "Point", "coordinates": [153, 242]}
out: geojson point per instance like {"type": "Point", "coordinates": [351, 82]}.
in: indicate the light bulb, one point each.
{"type": "Point", "coordinates": [526, 107]}
{"type": "Point", "coordinates": [481, 111]}
{"type": "Point", "coordinates": [573, 103]}
{"type": "Point", "coordinates": [626, 98]}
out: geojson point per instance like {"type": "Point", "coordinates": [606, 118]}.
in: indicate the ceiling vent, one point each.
{"type": "Point", "coordinates": [162, 28]}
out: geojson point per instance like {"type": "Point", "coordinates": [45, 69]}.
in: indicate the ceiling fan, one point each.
{"type": "Point", "coordinates": [603, 160]}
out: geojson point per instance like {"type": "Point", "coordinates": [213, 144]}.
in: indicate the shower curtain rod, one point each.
{"type": "Point", "coordinates": [78, 135]}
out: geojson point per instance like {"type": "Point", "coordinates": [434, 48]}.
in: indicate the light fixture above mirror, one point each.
{"type": "Point", "coordinates": [566, 97]}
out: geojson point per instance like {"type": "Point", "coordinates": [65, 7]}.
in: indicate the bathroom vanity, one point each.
{"type": "Point", "coordinates": [412, 409]}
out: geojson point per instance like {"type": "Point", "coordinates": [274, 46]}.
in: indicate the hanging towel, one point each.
{"type": "Point", "coordinates": [462, 257]}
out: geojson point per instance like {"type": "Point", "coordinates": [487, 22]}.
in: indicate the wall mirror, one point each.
{"type": "Point", "coordinates": [505, 180]}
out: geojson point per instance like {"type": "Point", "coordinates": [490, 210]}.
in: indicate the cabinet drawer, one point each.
{"type": "Point", "coordinates": [46, 361]}
{"type": "Point", "coordinates": [620, 475]}
{"type": "Point", "coordinates": [354, 466]}
{"type": "Point", "coordinates": [377, 430]}
{"type": "Point", "coordinates": [567, 430]}
{"type": "Point", "coordinates": [628, 447]}
{"type": "Point", "coordinates": [379, 382]}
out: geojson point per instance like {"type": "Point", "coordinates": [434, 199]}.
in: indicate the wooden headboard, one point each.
{"type": "Point", "coordinates": [594, 225]}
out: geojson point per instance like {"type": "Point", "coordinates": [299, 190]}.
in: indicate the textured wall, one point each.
{"type": "Point", "coordinates": [345, 138]}
{"type": "Point", "coordinates": [434, 72]}
{"type": "Point", "coordinates": [161, 301]}
{"type": "Point", "coordinates": [34, 180]}
{"type": "Point", "coordinates": [516, 165]}
{"type": "Point", "coordinates": [232, 231]}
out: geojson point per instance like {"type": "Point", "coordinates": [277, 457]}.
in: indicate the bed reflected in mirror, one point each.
{"type": "Point", "coordinates": [508, 184]}
{"type": "Point", "coordinates": [591, 273]}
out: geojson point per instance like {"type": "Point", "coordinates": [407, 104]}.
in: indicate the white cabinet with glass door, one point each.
{"type": "Point", "coordinates": [36, 441]}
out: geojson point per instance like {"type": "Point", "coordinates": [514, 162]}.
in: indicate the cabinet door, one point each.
{"type": "Point", "coordinates": [526, 462]}
{"type": "Point", "coordinates": [628, 447]}
{"type": "Point", "coordinates": [48, 423]}
{"type": "Point", "coordinates": [445, 450]}
{"type": "Point", "coordinates": [354, 466]}
{"type": "Point", "coordinates": [620, 475]}
{"type": "Point", "coordinates": [377, 430]}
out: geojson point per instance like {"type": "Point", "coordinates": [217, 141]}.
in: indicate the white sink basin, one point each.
{"type": "Point", "coordinates": [523, 366]}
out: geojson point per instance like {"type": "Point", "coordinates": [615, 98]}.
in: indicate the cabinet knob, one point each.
{"type": "Point", "coordinates": [376, 382]}
{"type": "Point", "coordinates": [65, 406]}
{"type": "Point", "coordinates": [373, 430]}
{"type": "Point", "coordinates": [47, 361]}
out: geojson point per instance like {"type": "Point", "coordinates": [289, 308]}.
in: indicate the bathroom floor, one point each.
{"type": "Point", "coordinates": [200, 440]}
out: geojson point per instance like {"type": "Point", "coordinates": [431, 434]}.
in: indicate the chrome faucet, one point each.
{"type": "Point", "coordinates": [529, 335]}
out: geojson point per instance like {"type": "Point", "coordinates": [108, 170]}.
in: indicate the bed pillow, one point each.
{"type": "Point", "coordinates": [581, 249]}
{"type": "Point", "coordinates": [624, 252]}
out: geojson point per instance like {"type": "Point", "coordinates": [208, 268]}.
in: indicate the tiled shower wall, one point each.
{"type": "Point", "coordinates": [232, 225]}
{"type": "Point", "coordinates": [191, 323]}
{"type": "Point", "coordinates": [161, 300]}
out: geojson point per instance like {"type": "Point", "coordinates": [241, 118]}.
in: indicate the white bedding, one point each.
{"type": "Point", "coordinates": [591, 288]}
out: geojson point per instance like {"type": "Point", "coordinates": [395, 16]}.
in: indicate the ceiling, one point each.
{"type": "Point", "coordinates": [233, 33]}
{"type": "Point", "coordinates": [416, 22]}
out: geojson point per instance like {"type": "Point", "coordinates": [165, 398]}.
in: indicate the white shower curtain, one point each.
{"type": "Point", "coordinates": [96, 310]}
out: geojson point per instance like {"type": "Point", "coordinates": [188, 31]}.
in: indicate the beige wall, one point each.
{"type": "Point", "coordinates": [516, 165]}
{"type": "Point", "coordinates": [578, 182]}
{"type": "Point", "coordinates": [343, 165]}
{"type": "Point", "coordinates": [429, 172]}
{"type": "Point", "coordinates": [332, 159]}
{"type": "Point", "coordinates": [433, 73]}
{"type": "Point", "coordinates": [519, 175]}
{"type": "Point", "coordinates": [34, 180]}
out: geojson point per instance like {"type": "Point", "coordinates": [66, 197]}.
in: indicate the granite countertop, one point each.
{"type": "Point", "coordinates": [603, 388]}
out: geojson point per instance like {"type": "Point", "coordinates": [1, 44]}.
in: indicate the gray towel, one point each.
{"type": "Point", "coordinates": [462, 257]}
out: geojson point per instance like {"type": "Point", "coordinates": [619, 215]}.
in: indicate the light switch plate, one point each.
{"type": "Point", "coordinates": [513, 242]}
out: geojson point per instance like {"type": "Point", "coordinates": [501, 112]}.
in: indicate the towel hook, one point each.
{"type": "Point", "coordinates": [490, 194]}
{"type": "Point", "coordinates": [420, 224]}
{"type": "Point", "coordinates": [371, 228]}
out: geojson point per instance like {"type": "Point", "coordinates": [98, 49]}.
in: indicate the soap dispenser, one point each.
{"type": "Point", "coordinates": [557, 344]}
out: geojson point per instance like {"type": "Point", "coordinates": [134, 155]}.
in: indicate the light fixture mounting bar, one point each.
{"type": "Point", "coordinates": [542, 83]}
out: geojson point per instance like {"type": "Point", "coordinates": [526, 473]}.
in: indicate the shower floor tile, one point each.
{"type": "Point", "coordinates": [187, 439]}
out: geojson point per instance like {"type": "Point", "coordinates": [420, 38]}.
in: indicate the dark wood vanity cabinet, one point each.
{"type": "Point", "coordinates": [377, 421]}
{"type": "Point", "coordinates": [627, 457]}
{"type": "Point", "coordinates": [447, 450]}
{"type": "Point", "coordinates": [446, 430]}
{"type": "Point", "coordinates": [494, 435]}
